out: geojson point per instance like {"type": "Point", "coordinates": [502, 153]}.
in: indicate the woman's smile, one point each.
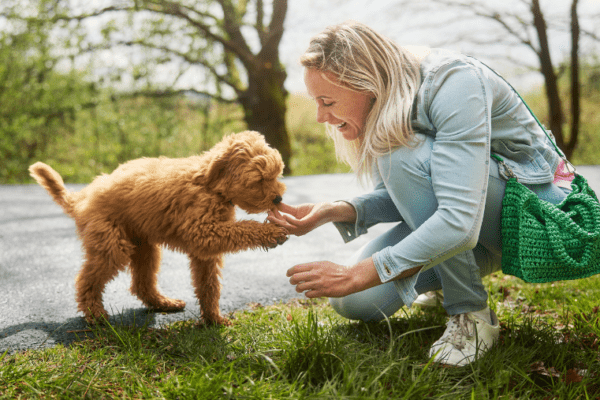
{"type": "Point", "coordinates": [337, 105]}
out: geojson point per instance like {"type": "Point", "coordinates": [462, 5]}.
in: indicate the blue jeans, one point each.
{"type": "Point", "coordinates": [460, 277]}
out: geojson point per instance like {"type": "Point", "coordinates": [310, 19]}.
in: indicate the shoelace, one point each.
{"type": "Point", "coordinates": [460, 327]}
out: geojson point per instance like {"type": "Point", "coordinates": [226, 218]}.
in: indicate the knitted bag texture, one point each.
{"type": "Point", "coordinates": [543, 242]}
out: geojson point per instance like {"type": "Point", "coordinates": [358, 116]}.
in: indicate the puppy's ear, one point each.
{"type": "Point", "coordinates": [213, 173]}
{"type": "Point", "coordinates": [270, 166]}
{"type": "Point", "coordinates": [260, 162]}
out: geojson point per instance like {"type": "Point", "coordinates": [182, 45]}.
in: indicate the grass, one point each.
{"type": "Point", "coordinates": [548, 349]}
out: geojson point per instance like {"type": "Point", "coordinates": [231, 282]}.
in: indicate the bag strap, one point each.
{"type": "Point", "coordinates": [505, 171]}
{"type": "Point", "coordinates": [570, 166]}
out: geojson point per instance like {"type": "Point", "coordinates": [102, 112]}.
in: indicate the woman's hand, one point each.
{"type": "Point", "coordinates": [301, 219]}
{"type": "Point", "coordinates": [327, 279]}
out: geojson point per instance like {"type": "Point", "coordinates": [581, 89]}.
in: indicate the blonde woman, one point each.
{"type": "Point", "coordinates": [420, 123]}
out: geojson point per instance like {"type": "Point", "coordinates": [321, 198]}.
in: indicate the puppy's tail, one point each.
{"type": "Point", "coordinates": [53, 183]}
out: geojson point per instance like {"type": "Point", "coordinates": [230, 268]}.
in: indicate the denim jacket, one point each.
{"type": "Point", "coordinates": [470, 112]}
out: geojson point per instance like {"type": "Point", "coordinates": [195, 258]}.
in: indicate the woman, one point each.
{"type": "Point", "coordinates": [421, 124]}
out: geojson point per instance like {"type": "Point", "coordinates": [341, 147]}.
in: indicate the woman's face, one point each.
{"type": "Point", "coordinates": [341, 107]}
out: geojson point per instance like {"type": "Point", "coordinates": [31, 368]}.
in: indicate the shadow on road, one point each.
{"type": "Point", "coordinates": [35, 335]}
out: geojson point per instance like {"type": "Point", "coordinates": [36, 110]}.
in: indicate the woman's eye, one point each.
{"type": "Point", "coordinates": [327, 104]}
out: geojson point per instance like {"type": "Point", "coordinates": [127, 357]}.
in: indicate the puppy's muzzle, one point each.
{"type": "Point", "coordinates": [277, 200]}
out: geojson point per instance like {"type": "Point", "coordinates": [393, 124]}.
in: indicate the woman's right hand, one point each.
{"type": "Point", "coordinates": [301, 219]}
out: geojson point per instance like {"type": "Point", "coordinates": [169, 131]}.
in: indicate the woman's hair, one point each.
{"type": "Point", "coordinates": [367, 62]}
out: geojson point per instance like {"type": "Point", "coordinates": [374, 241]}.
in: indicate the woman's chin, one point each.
{"type": "Point", "coordinates": [350, 135]}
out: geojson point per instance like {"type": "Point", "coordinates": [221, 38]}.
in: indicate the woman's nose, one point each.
{"type": "Point", "coordinates": [322, 116]}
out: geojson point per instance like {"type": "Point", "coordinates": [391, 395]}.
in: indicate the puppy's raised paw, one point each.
{"type": "Point", "coordinates": [275, 236]}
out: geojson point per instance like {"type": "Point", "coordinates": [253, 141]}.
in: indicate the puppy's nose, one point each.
{"type": "Point", "coordinates": [277, 200]}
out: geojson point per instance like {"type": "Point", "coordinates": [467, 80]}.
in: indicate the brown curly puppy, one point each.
{"type": "Point", "coordinates": [186, 204]}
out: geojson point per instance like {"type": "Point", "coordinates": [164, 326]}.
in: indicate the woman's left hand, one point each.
{"type": "Point", "coordinates": [321, 279]}
{"type": "Point", "coordinates": [327, 279]}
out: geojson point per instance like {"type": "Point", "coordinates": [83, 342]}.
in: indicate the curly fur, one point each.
{"type": "Point", "coordinates": [186, 204]}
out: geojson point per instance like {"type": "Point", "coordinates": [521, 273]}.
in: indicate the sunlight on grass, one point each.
{"type": "Point", "coordinates": [548, 348]}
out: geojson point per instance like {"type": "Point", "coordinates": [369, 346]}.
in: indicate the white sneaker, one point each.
{"type": "Point", "coordinates": [466, 338]}
{"type": "Point", "coordinates": [429, 299]}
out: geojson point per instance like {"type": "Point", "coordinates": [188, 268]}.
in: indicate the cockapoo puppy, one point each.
{"type": "Point", "coordinates": [185, 204]}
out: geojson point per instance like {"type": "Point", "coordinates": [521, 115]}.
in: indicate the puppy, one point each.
{"type": "Point", "coordinates": [185, 204]}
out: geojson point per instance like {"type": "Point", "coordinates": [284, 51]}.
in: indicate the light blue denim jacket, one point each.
{"type": "Point", "coordinates": [471, 112]}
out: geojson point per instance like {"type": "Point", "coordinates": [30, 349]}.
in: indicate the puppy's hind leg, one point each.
{"type": "Point", "coordinates": [145, 263]}
{"type": "Point", "coordinates": [206, 274]}
{"type": "Point", "coordinates": [96, 272]}
{"type": "Point", "coordinates": [108, 251]}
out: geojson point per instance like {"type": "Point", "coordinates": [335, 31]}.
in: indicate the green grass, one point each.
{"type": "Point", "coordinates": [548, 349]}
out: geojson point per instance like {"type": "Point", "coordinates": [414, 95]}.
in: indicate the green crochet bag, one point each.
{"type": "Point", "coordinates": [543, 242]}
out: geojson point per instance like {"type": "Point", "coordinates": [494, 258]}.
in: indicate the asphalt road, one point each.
{"type": "Point", "coordinates": [40, 256]}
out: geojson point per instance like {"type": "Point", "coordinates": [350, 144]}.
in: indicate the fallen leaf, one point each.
{"type": "Point", "coordinates": [538, 367]}
{"type": "Point", "coordinates": [574, 376]}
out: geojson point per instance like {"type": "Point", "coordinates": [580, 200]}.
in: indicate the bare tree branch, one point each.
{"type": "Point", "coordinates": [151, 93]}
{"type": "Point", "coordinates": [225, 79]}
{"type": "Point", "coordinates": [232, 24]}
{"type": "Point", "coordinates": [275, 28]}
{"type": "Point", "coordinates": [260, 26]}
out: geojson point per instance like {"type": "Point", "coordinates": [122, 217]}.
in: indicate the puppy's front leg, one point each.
{"type": "Point", "coordinates": [265, 235]}
{"type": "Point", "coordinates": [235, 236]}
{"type": "Point", "coordinates": [206, 275]}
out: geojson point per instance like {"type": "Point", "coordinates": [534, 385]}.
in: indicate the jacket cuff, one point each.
{"type": "Point", "coordinates": [349, 230]}
{"type": "Point", "coordinates": [387, 271]}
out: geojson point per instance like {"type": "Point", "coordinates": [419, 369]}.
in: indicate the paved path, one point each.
{"type": "Point", "coordinates": [40, 256]}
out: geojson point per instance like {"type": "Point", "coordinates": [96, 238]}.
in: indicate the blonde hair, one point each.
{"type": "Point", "coordinates": [367, 62]}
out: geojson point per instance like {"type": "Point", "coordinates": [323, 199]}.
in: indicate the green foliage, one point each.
{"type": "Point", "coordinates": [119, 130]}
{"type": "Point", "coordinates": [38, 106]}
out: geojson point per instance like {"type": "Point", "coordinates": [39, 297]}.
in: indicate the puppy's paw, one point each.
{"type": "Point", "coordinates": [100, 318]}
{"type": "Point", "coordinates": [219, 321]}
{"type": "Point", "coordinates": [275, 236]}
{"type": "Point", "coordinates": [165, 304]}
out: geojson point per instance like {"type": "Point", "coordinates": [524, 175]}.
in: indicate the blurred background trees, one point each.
{"type": "Point", "coordinates": [224, 50]}
{"type": "Point", "coordinates": [38, 104]}
{"type": "Point", "coordinates": [86, 85]}
{"type": "Point", "coordinates": [528, 26]}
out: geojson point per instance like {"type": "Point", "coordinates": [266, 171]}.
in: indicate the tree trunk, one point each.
{"type": "Point", "coordinates": [555, 114]}
{"type": "Point", "coordinates": [575, 86]}
{"type": "Point", "coordinates": [264, 104]}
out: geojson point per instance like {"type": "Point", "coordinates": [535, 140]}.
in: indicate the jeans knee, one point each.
{"type": "Point", "coordinates": [355, 311]}
{"type": "Point", "coordinates": [371, 305]}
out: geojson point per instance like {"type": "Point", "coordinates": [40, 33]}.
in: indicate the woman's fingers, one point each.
{"type": "Point", "coordinates": [300, 268]}
{"type": "Point", "coordinates": [275, 213]}
{"type": "Point", "coordinates": [286, 208]}
{"type": "Point", "coordinates": [319, 279]}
